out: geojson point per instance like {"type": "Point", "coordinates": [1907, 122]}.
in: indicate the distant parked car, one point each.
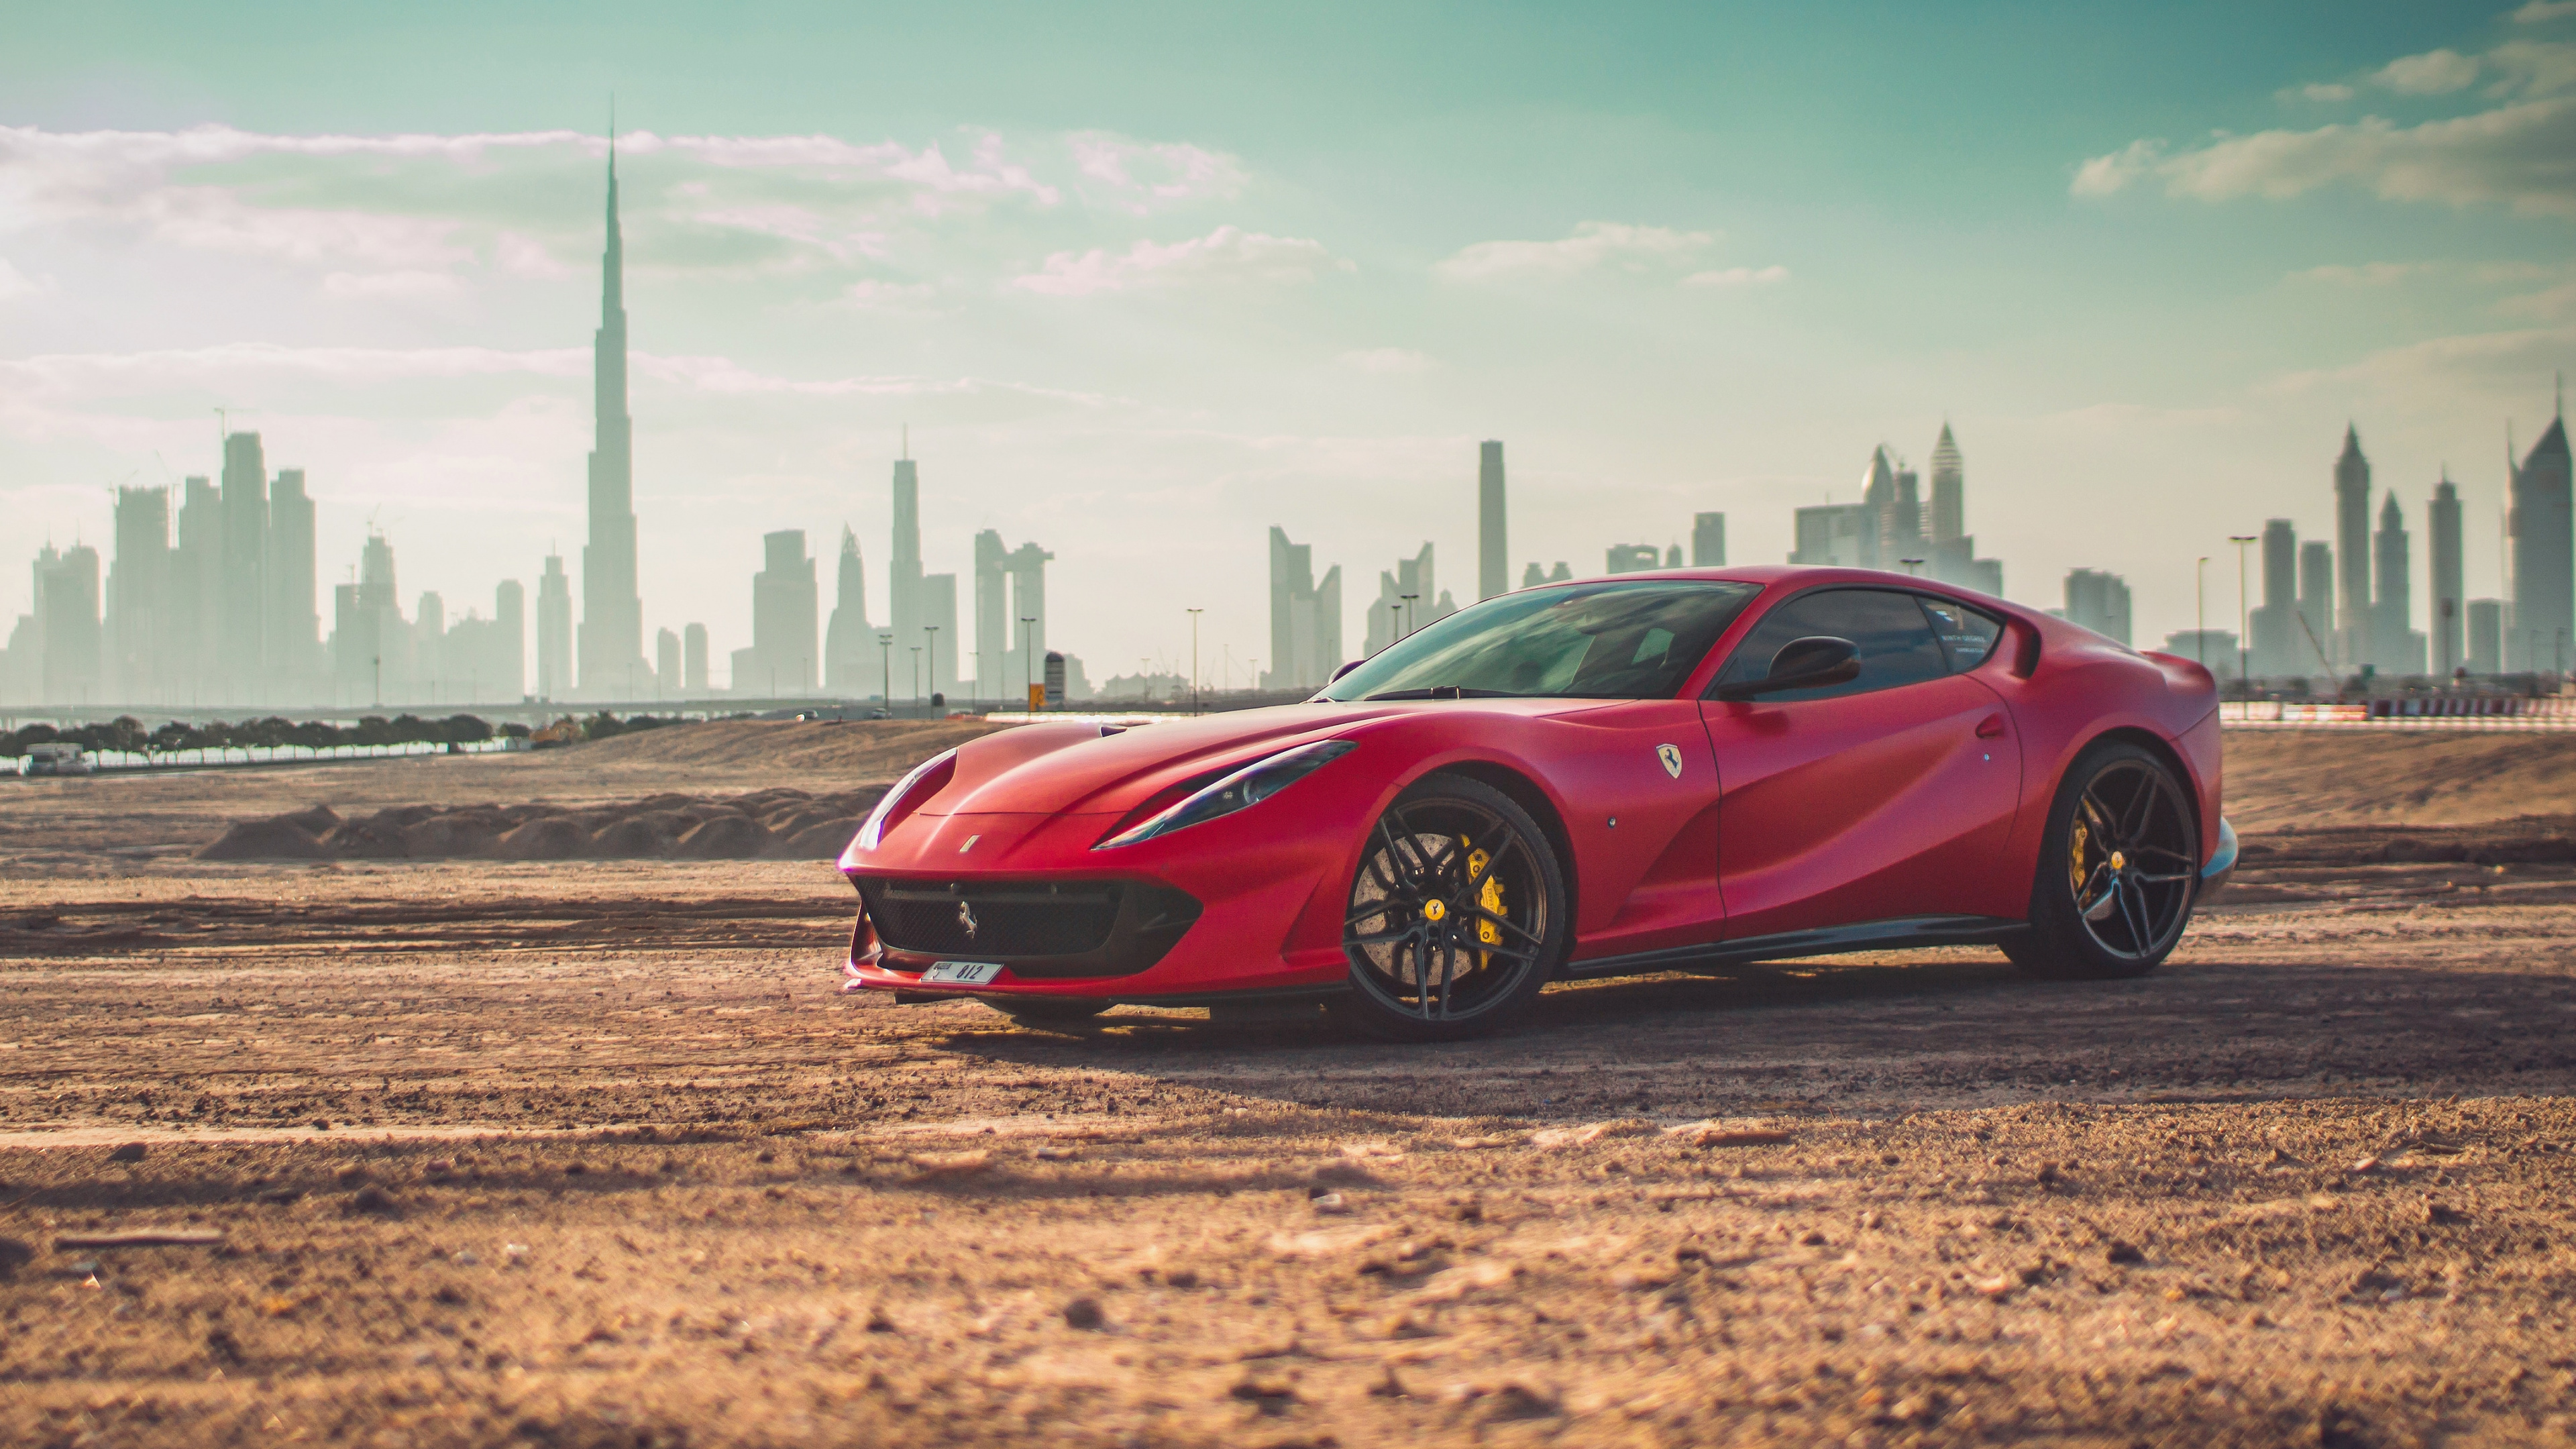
{"type": "Point", "coordinates": [58, 758]}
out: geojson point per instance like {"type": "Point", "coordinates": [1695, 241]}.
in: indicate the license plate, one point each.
{"type": "Point", "coordinates": [961, 973]}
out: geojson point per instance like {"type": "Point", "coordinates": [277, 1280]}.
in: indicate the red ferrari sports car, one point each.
{"type": "Point", "coordinates": [1650, 772]}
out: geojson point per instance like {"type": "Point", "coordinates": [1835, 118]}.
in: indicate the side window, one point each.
{"type": "Point", "coordinates": [1896, 644]}
{"type": "Point", "coordinates": [1968, 634]}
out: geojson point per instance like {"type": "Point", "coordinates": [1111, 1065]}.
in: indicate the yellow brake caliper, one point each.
{"type": "Point", "coordinates": [1490, 896]}
{"type": "Point", "coordinates": [2075, 861]}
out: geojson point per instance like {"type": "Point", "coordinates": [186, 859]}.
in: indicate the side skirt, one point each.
{"type": "Point", "coordinates": [1896, 935]}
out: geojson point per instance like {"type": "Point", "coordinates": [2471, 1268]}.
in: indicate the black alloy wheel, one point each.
{"type": "Point", "coordinates": [1457, 916]}
{"type": "Point", "coordinates": [2118, 869]}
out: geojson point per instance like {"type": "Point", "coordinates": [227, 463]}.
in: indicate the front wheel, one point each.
{"type": "Point", "coordinates": [1456, 918]}
{"type": "Point", "coordinates": [2118, 867]}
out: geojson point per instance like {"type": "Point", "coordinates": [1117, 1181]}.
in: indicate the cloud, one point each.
{"type": "Point", "coordinates": [2434, 73]}
{"type": "Point", "coordinates": [2457, 372]}
{"type": "Point", "coordinates": [2534, 67]}
{"type": "Point", "coordinates": [396, 285]}
{"type": "Point", "coordinates": [1738, 277]}
{"type": "Point", "coordinates": [1387, 360]}
{"type": "Point", "coordinates": [1594, 245]}
{"type": "Point", "coordinates": [2542, 11]}
{"type": "Point", "coordinates": [497, 203]}
{"type": "Point", "coordinates": [2552, 304]}
{"type": "Point", "coordinates": [2515, 156]}
{"type": "Point", "coordinates": [1227, 255]}
{"type": "Point", "coordinates": [871, 294]}
{"type": "Point", "coordinates": [15, 284]}
{"type": "Point", "coordinates": [1142, 176]}
{"type": "Point", "coordinates": [2320, 91]}
{"type": "Point", "coordinates": [2367, 274]}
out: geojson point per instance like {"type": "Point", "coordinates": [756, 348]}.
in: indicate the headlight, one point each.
{"type": "Point", "coordinates": [926, 780]}
{"type": "Point", "coordinates": [1250, 785]}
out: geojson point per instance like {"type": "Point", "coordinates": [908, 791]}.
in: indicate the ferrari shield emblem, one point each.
{"type": "Point", "coordinates": [1671, 755]}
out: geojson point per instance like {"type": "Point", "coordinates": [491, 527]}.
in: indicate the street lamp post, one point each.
{"type": "Point", "coordinates": [2200, 611]}
{"type": "Point", "coordinates": [1911, 565]}
{"type": "Point", "coordinates": [885, 659]}
{"type": "Point", "coordinates": [1194, 659]}
{"type": "Point", "coordinates": [2244, 644]}
{"type": "Point", "coordinates": [1028, 657]}
{"type": "Point", "coordinates": [916, 679]}
{"type": "Point", "coordinates": [930, 634]}
{"type": "Point", "coordinates": [1408, 614]}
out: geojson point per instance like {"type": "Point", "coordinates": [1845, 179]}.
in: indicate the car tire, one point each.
{"type": "Point", "coordinates": [1050, 1013]}
{"type": "Point", "coordinates": [2119, 866]}
{"type": "Point", "coordinates": [1446, 941]}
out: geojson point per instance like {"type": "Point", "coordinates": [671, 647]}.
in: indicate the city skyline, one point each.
{"type": "Point", "coordinates": [1135, 328]}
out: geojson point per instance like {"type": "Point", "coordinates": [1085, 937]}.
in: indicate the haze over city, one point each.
{"type": "Point", "coordinates": [1136, 296]}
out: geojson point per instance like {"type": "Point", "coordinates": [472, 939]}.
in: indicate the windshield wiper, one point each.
{"type": "Point", "coordinates": [1443, 691]}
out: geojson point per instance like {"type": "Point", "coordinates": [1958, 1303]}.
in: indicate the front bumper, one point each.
{"type": "Point", "coordinates": [2222, 864]}
{"type": "Point", "coordinates": [1245, 905]}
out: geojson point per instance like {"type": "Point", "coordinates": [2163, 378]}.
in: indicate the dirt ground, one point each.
{"type": "Point", "coordinates": [593, 1153]}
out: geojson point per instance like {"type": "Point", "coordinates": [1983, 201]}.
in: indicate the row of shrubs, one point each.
{"type": "Point", "coordinates": [126, 733]}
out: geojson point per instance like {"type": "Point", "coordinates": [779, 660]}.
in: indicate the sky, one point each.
{"type": "Point", "coordinates": [1140, 281]}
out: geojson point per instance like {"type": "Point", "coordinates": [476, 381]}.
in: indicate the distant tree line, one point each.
{"type": "Point", "coordinates": [257, 737]}
{"type": "Point", "coordinates": [269, 738]}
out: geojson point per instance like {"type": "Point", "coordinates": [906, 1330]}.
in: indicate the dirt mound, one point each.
{"type": "Point", "coordinates": [2284, 778]}
{"type": "Point", "coordinates": [830, 752]}
{"type": "Point", "coordinates": [2538, 840]}
{"type": "Point", "coordinates": [773, 824]}
{"type": "Point", "coordinates": [280, 837]}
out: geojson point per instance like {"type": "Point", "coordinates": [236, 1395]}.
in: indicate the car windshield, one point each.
{"type": "Point", "coordinates": [1585, 641]}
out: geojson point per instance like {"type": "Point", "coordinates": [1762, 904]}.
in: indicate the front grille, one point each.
{"type": "Point", "coordinates": [959, 918]}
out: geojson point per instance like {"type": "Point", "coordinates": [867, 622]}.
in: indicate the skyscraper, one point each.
{"type": "Point", "coordinates": [242, 596]}
{"type": "Point", "coordinates": [666, 664]}
{"type": "Point", "coordinates": [2442, 525]}
{"type": "Point", "coordinates": [1407, 599]}
{"type": "Point", "coordinates": [137, 577]}
{"type": "Point", "coordinates": [1024, 660]}
{"type": "Point", "coordinates": [2352, 546]}
{"type": "Point", "coordinates": [2099, 601]}
{"type": "Point", "coordinates": [1949, 491]}
{"type": "Point", "coordinates": [1841, 535]}
{"type": "Point", "coordinates": [1305, 617]}
{"type": "Point", "coordinates": [293, 627]}
{"type": "Point", "coordinates": [903, 565]}
{"type": "Point", "coordinates": [783, 656]}
{"type": "Point", "coordinates": [554, 631]}
{"type": "Point", "coordinates": [993, 626]}
{"type": "Point", "coordinates": [1708, 540]}
{"type": "Point", "coordinates": [2544, 557]}
{"type": "Point", "coordinates": [1493, 544]}
{"type": "Point", "coordinates": [2314, 641]}
{"type": "Point", "coordinates": [1630, 558]}
{"type": "Point", "coordinates": [693, 659]}
{"type": "Point", "coordinates": [2396, 646]}
{"type": "Point", "coordinates": [2274, 624]}
{"type": "Point", "coordinates": [195, 593]}
{"type": "Point", "coordinates": [2486, 636]}
{"type": "Point", "coordinates": [849, 645]}
{"type": "Point", "coordinates": [612, 612]}
{"type": "Point", "coordinates": [67, 618]}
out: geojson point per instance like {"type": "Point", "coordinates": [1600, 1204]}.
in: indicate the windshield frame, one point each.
{"type": "Point", "coordinates": [1383, 675]}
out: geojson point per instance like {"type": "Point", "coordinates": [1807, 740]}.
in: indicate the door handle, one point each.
{"type": "Point", "coordinates": [1991, 727]}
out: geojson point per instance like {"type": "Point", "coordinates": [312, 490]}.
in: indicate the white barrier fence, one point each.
{"type": "Point", "coordinates": [2428, 713]}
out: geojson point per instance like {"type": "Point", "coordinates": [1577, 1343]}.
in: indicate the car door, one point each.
{"type": "Point", "coordinates": [1883, 798]}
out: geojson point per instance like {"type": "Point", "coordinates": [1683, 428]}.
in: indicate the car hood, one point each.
{"type": "Point", "coordinates": [1077, 769]}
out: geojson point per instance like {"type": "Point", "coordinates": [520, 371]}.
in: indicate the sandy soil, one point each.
{"type": "Point", "coordinates": [593, 1153]}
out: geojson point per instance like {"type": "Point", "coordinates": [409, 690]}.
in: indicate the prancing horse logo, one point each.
{"type": "Point", "coordinates": [966, 917]}
{"type": "Point", "coordinates": [1671, 755]}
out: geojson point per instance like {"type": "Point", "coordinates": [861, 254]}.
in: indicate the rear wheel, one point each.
{"type": "Point", "coordinates": [2117, 870]}
{"type": "Point", "coordinates": [1456, 918]}
{"type": "Point", "coordinates": [1049, 1012]}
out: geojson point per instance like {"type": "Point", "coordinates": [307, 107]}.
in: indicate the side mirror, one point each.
{"type": "Point", "coordinates": [1802, 664]}
{"type": "Point", "coordinates": [1345, 669]}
